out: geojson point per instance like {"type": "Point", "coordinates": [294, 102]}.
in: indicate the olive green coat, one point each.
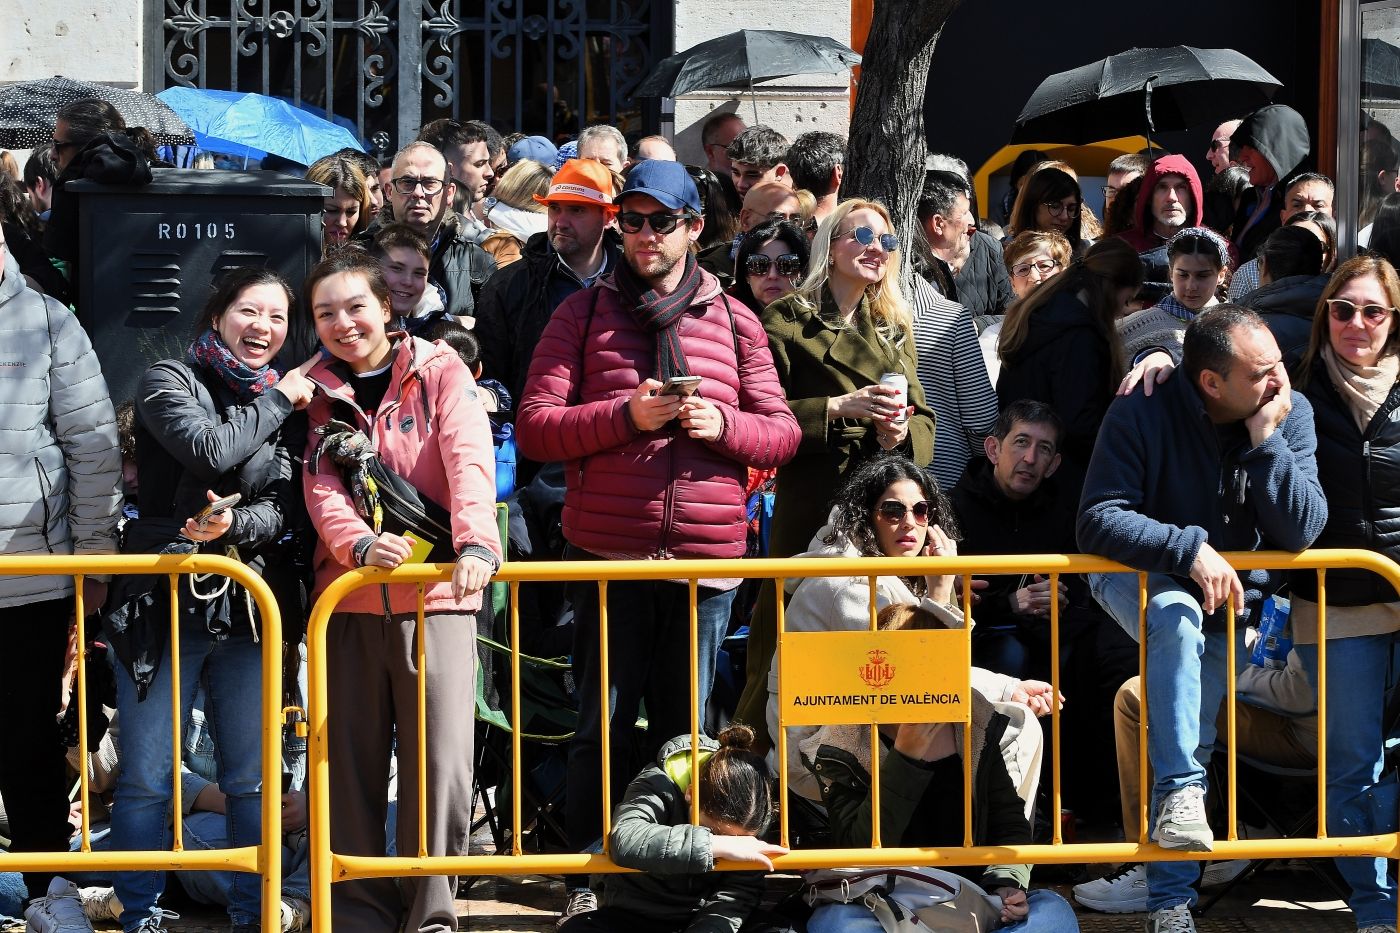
{"type": "Point", "coordinates": [818, 358]}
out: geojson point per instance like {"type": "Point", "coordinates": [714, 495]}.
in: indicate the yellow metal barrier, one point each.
{"type": "Point", "coordinates": [328, 867]}
{"type": "Point", "coordinates": [264, 859]}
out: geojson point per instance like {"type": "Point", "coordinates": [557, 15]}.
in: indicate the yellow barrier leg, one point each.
{"type": "Point", "coordinates": [318, 770]}
{"type": "Point", "coordinates": [694, 593]}
{"type": "Point", "coordinates": [270, 849]}
{"type": "Point", "coordinates": [515, 724]}
{"type": "Point", "coordinates": [781, 737]}
{"type": "Point", "coordinates": [80, 611]}
{"type": "Point", "coordinates": [1057, 808]}
{"type": "Point", "coordinates": [177, 738]}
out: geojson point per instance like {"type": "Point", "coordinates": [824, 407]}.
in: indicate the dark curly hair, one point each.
{"type": "Point", "coordinates": [858, 496]}
{"type": "Point", "coordinates": [755, 240]}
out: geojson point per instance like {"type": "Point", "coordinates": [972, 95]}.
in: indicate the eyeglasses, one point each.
{"type": "Point", "coordinates": [795, 217]}
{"type": "Point", "coordinates": [789, 264]}
{"type": "Point", "coordinates": [1043, 266]}
{"type": "Point", "coordinates": [632, 221]}
{"type": "Point", "coordinates": [1057, 209]}
{"type": "Point", "coordinates": [58, 145]}
{"type": "Point", "coordinates": [1343, 311]}
{"type": "Point", "coordinates": [405, 184]}
{"type": "Point", "coordinates": [1217, 144]}
{"type": "Point", "coordinates": [1109, 192]}
{"type": "Point", "coordinates": [865, 237]}
{"type": "Point", "coordinates": [894, 511]}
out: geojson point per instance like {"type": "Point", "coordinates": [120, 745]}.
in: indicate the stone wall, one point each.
{"type": "Point", "coordinates": [88, 40]}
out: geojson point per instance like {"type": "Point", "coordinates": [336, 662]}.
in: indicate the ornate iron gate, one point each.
{"type": "Point", "coordinates": [387, 66]}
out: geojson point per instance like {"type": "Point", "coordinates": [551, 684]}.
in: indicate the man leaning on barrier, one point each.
{"type": "Point", "coordinates": [656, 467]}
{"type": "Point", "coordinates": [1221, 460]}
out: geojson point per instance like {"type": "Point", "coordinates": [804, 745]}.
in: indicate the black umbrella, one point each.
{"type": "Point", "coordinates": [28, 110]}
{"type": "Point", "coordinates": [745, 57]}
{"type": "Point", "coordinates": [1176, 88]}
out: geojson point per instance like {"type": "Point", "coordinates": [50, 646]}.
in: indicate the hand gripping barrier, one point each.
{"type": "Point", "coordinates": [263, 859]}
{"type": "Point", "coordinates": [329, 867]}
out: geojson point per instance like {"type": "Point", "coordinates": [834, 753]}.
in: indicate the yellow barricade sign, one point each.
{"type": "Point", "coordinates": [831, 678]}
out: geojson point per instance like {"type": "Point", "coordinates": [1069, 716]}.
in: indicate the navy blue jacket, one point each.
{"type": "Point", "coordinates": [1164, 479]}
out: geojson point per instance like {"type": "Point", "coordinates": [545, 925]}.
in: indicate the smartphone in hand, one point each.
{"type": "Point", "coordinates": [684, 386]}
{"type": "Point", "coordinates": [216, 507]}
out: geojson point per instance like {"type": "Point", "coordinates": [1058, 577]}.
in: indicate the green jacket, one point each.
{"type": "Point", "coordinates": [651, 832]}
{"type": "Point", "coordinates": [816, 360]}
{"type": "Point", "coordinates": [839, 757]}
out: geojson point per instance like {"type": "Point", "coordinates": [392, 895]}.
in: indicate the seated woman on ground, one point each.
{"type": "Point", "coordinates": [888, 507]}
{"type": "Point", "coordinates": [677, 888]}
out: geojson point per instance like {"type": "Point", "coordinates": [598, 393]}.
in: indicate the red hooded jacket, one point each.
{"type": "Point", "coordinates": [1141, 237]}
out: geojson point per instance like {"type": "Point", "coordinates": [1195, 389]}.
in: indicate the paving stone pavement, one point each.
{"type": "Point", "coordinates": [1282, 899]}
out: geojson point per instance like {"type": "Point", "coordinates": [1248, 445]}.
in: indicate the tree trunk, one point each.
{"type": "Point", "coordinates": [886, 148]}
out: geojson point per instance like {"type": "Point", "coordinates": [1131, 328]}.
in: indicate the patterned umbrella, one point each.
{"type": "Point", "coordinates": [28, 111]}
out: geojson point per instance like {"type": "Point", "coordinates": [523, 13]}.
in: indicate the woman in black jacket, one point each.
{"type": "Point", "coordinates": [1349, 374]}
{"type": "Point", "coordinates": [1058, 345]}
{"type": "Point", "coordinates": [209, 426]}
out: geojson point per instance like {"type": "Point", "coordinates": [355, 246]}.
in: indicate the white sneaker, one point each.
{"type": "Point", "coordinates": [1181, 821]}
{"type": "Point", "coordinates": [60, 911]}
{"type": "Point", "coordinates": [296, 915]}
{"type": "Point", "coordinates": [1171, 920]}
{"type": "Point", "coordinates": [1218, 873]}
{"type": "Point", "coordinates": [581, 901]}
{"type": "Point", "coordinates": [1123, 892]}
{"type": "Point", "coordinates": [100, 904]}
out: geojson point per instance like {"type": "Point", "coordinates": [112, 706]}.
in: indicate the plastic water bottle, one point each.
{"type": "Point", "coordinates": [1275, 638]}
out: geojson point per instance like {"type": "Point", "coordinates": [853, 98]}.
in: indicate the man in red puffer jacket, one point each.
{"type": "Point", "coordinates": [650, 474]}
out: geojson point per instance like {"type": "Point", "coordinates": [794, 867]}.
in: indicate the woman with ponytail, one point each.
{"type": "Point", "coordinates": [677, 888]}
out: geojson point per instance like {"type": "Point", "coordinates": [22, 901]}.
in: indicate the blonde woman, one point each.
{"type": "Point", "coordinates": [346, 210]}
{"type": "Point", "coordinates": [832, 340]}
{"type": "Point", "coordinates": [512, 211]}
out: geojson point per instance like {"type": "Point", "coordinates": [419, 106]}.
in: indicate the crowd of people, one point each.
{"type": "Point", "coordinates": [652, 360]}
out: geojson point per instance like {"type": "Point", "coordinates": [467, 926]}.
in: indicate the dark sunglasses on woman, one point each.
{"type": "Point", "coordinates": [789, 264]}
{"type": "Point", "coordinates": [865, 236]}
{"type": "Point", "coordinates": [893, 511]}
{"type": "Point", "coordinates": [1343, 311]}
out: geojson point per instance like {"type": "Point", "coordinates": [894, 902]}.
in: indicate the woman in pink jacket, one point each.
{"type": "Point", "coordinates": [418, 405]}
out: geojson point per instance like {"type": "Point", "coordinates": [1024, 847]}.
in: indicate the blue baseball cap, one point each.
{"type": "Point", "coordinates": [668, 182]}
{"type": "Point", "coordinates": [535, 148]}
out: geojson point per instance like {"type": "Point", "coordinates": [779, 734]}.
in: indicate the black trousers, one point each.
{"type": "Point", "coordinates": [33, 774]}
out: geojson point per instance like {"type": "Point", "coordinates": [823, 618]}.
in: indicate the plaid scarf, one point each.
{"type": "Point", "coordinates": [661, 314]}
{"type": "Point", "coordinates": [210, 352]}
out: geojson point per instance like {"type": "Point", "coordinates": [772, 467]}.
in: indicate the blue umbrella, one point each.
{"type": "Point", "coordinates": [253, 125]}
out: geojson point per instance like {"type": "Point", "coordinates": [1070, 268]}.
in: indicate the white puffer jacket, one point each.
{"type": "Point", "coordinates": [60, 468]}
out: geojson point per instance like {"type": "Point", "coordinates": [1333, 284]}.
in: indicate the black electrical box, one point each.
{"type": "Point", "coordinates": [147, 257]}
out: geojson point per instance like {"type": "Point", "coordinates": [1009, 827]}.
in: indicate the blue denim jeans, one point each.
{"type": "Point", "coordinates": [1356, 682]}
{"type": "Point", "coordinates": [1185, 687]}
{"type": "Point", "coordinates": [230, 671]}
{"type": "Point", "coordinates": [210, 831]}
{"type": "Point", "coordinates": [648, 658]}
{"type": "Point", "coordinates": [1049, 913]}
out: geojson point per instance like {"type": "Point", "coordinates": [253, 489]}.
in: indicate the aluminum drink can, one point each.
{"type": "Point", "coordinates": [900, 382]}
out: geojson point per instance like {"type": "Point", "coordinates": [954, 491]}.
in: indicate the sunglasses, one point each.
{"type": "Point", "coordinates": [58, 145]}
{"type": "Point", "coordinates": [789, 264]}
{"type": "Point", "coordinates": [405, 184]}
{"type": "Point", "coordinates": [632, 221]}
{"type": "Point", "coordinates": [865, 236]}
{"type": "Point", "coordinates": [894, 511]}
{"type": "Point", "coordinates": [1217, 144]}
{"type": "Point", "coordinates": [1343, 311]}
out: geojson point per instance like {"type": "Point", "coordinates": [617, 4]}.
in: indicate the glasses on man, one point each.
{"type": "Point", "coordinates": [406, 184]}
{"type": "Point", "coordinates": [633, 221]}
{"type": "Point", "coordinates": [1217, 144]}
{"type": "Point", "coordinates": [865, 236]}
{"type": "Point", "coordinates": [789, 264]}
{"type": "Point", "coordinates": [58, 145]}
{"type": "Point", "coordinates": [1343, 311]}
{"type": "Point", "coordinates": [1060, 209]}
{"type": "Point", "coordinates": [1109, 193]}
{"type": "Point", "coordinates": [1043, 266]}
{"type": "Point", "coordinates": [794, 218]}
{"type": "Point", "coordinates": [894, 511]}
